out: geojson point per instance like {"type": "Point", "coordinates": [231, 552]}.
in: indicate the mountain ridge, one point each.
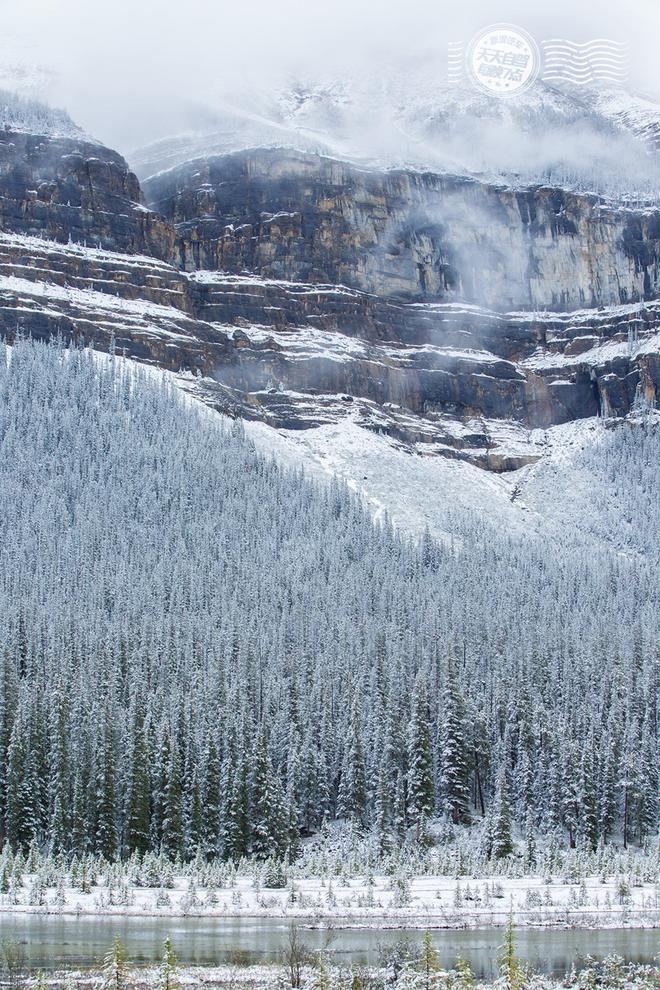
{"type": "Point", "coordinates": [451, 314]}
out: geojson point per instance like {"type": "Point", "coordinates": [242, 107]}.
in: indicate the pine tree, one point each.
{"type": "Point", "coordinates": [172, 839]}
{"type": "Point", "coordinates": [138, 798]}
{"type": "Point", "coordinates": [383, 814]}
{"type": "Point", "coordinates": [80, 826]}
{"type": "Point", "coordinates": [420, 759]}
{"type": "Point", "coordinates": [212, 801]}
{"type": "Point", "coordinates": [167, 974]}
{"type": "Point", "coordinates": [399, 817]}
{"type": "Point", "coordinates": [352, 799]}
{"type": "Point", "coordinates": [268, 818]}
{"type": "Point", "coordinates": [647, 811]}
{"type": "Point", "coordinates": [58, 831]}
{"type": "Point", "coordinates": [59, 802]}
{"type": "Point", "coordinates": [588, 817]}
{"type": "Point", "coordinates": [607, 800]}
{"type": "Point", "coordinates": [502, 844]}
{"type": "Point", "coordinates": [511, 969]}
{"type": "Point", "coordinates": [21, 788]}
{"type": "Point", "coordinates": [106, 820]}
{"type": "Point", "coordinates": [464, 978]}
{"type": "Point", "coordinates": [291, 802]}
{"type": "Point", "coordinates": [454, 762]}
{"type": "Point", "coordinates": [429, 964]}
{"type": "Point", "coordinates": [194, 831]}
{"type": "Point", "coordinates": [115, 972]}
{"type": "Point", "coordinates": [236, 834]}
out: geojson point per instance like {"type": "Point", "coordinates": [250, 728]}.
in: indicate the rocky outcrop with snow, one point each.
{"type": "Point", "coordinates": [449, 313]}
{"type": "Point", "coordinates": [69, 188]}
{"type": "Point", "coordinates": [308, 218]}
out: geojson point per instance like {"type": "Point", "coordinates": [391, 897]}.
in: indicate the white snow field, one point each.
{"type": "Point", "coordinates": [417, 491]}
{"type": "Point", "coordinates": [426, 902]}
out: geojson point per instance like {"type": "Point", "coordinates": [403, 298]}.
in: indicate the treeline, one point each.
{"type": "Point", "coordinates": [24, 114]}
{"type": "Point", "coordinates": [203, 653]}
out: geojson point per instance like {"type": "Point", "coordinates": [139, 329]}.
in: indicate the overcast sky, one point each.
{"type": "Point", "coordinates": [131, 70]}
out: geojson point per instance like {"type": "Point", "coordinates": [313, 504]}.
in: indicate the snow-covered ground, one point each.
{"type": "Point", "coordinates": [408, 974]}
{"type": "Point", "coordinates": [417, 491]}
{"type": "Point", "coordinates": [424, 901]}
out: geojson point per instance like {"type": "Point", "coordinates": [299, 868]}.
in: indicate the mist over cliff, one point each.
{"type": "Point", "coordinates": [171, 73]}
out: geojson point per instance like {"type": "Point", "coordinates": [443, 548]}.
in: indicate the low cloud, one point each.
{"type": "Point", "coordinates": [136, 70]}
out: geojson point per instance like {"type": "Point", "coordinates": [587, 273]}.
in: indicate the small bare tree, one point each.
{"type": "Point", "coordinates": [296, 955]}
{"type": "Point", "coordinates": [12, 962]}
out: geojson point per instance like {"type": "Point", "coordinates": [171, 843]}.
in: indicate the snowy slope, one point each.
{"type": "Point", "coordinates": [562, 490]}
{"type": "Point", "coordinates": [414, 118]}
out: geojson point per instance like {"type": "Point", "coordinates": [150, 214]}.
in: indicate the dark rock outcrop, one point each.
{"type": "Point", "coordinates": [287, 215]}
{"type": "Point", "coordinates": [72, 190]}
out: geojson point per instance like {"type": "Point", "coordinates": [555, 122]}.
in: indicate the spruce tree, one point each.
{"type": "Point", "coordinates": [21, 808]}
{"type": "Point", "coordinates": [511, 969]}
{"type": "Point", "coordinates": [453, 758]}
{"type": "Point", "coordinates": [114, 966]}
{"type": "Point", "coordinates": [167, 973]}
{"type": "Point", "coordinates": [502, 844]}
{"type": "Point", "coordinates": [212, 801]}
{"type": "Point", "coordinates": [59, 783]}
{"type": "Point", "coordinates": [172, 838]}
{"type": "Point", "coordinates": [420, 759]}
{"type": "Point", "coordinates": [106, 843]}
{"type": "Point", "coordinates": [236, 832]}
{"type": "Point", "coordinates": [352, 799]}
{"type": "Point", "coordinates": [138, 798]}
{"type": "Point", "coordinates": [383, 823]}
{"type": "Point", "coordinates": [269, 821]}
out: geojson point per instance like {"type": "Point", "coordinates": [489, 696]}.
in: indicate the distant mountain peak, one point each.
{"type": "Point", "coordinates": [596, 140]}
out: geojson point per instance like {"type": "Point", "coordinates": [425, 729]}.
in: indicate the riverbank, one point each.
{"type": "Point", "coordinates": [422, 972]}
{"type": "Point", "coordinates": [379, 901]}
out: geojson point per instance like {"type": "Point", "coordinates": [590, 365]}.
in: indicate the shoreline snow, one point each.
{"type": "Point", "coordinates": [435, 902]}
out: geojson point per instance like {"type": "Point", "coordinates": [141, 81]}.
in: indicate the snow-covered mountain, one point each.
{"type": "Point", "coordinates": [475, 355]}
{"type": "Point", "coordinates": [455, 316]}
{"type": "Point", "coordinates": [589, 138]}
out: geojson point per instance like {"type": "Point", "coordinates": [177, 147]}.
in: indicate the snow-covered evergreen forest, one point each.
{"type": "Point", "coordinates": [19, 113]}
{"type": "Point", "coordinates": [206, 654]}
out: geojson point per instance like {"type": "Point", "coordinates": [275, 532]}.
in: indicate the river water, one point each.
{"type": "Point", "coordinates": [59, 941]}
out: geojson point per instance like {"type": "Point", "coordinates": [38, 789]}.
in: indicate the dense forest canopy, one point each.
{"type": "Point", "coordinates": [203, 651]}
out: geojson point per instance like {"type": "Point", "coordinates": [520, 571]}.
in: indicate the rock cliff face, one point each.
{"type": "Point", "coordinates": [302, 291]}
{"type": "Point", "coordinates": [306, 218]}
{"type": "Point", "coordinates": [68, 189]}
